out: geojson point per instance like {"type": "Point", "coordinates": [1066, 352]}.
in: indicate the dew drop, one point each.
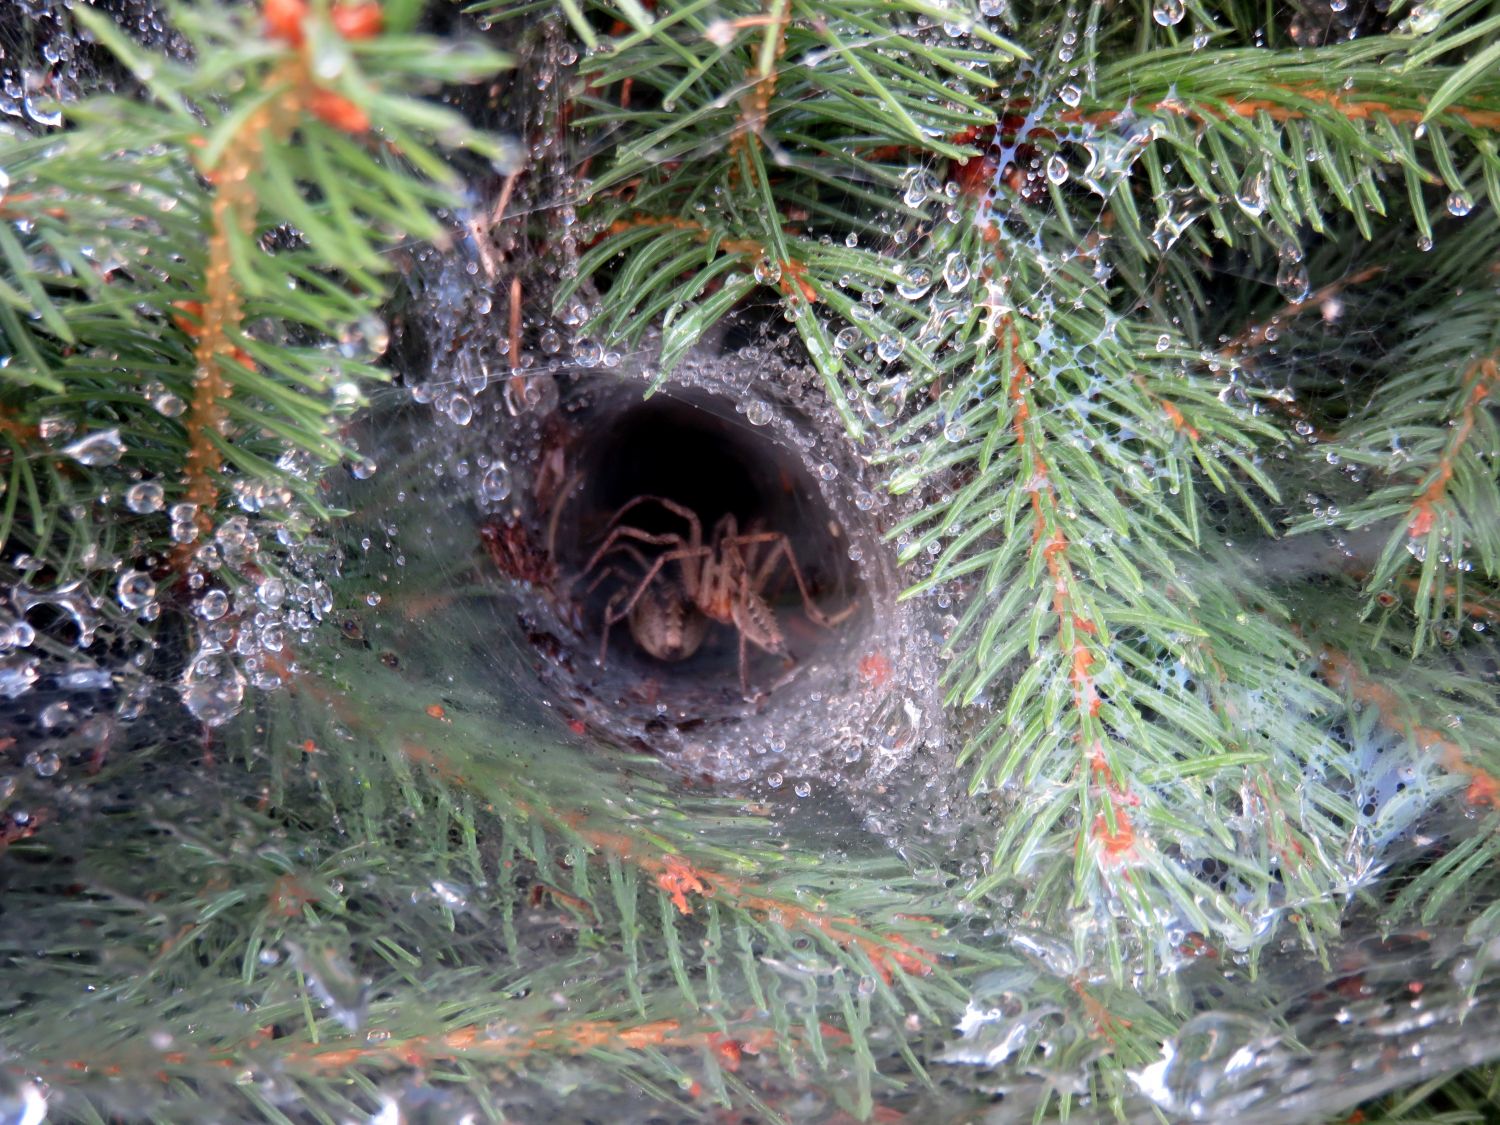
{"type": "Point", "coordinates": [955, 272]}
{"type": "Point", "coordinates": [1292, 281]}
{"type": "Point", "coordinates": [1070, 94]}
{"type": "Point", "coordinates": [767, 272]}
{"type": "Point", "coordinates": [916, 283]}
{"type": "Point", "coordinates": [50, 427]}
{"type": "Point", "coordinates": [757, 412]}
{"type": "Point", "coordinates": [1459, 204]}
{"type": "Point", "coordinates": [1057, 170]}
{"type": "Point", "coordinates": [213, 605]}
{"type": "Point", "coordinates": [145, 497]}
{"type": "Point", "coordinates": [922, 185]}
{"type": "Point", "coordinates": [1168, 13]}
{"type": "Point", "coordinates": [97, 450]}
{"type": "Point", "coordinates": [135, 590]}
{"type": "Point", "coordinates": [495, 485]}
{"type": "Point", "coordinates": [1252, 194]}
{"type": "Point", "coordinates": [213, 690]}
{"type": "Point", "coordinates": [1422, 20]}
{"type": "Point", "coordinates": [271, 593]}
{"type": "Point", "coordinates": [167, 404]}
{"type": "Point", "coordinates": [45, 113]}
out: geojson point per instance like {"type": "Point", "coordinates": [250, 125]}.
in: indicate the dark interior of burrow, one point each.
{"type": "Point", "coordinates": [698, 453]}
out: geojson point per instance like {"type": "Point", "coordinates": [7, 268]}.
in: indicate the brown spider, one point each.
{"type": "Point", "coordinates": [725, 581]}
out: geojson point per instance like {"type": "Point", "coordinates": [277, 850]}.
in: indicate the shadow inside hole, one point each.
{"type": "Point", "coordinates": [695, 451]}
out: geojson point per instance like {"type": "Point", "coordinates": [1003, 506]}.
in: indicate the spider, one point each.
{"type": "Point", "coordinates": [669, 613]}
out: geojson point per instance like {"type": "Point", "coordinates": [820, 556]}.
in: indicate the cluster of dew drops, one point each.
{"type": "Point", "coordinates": [945, 288]}
{"type": "Point", "coordinates": [81, 657]}
{"type": "Point", "coordinates": [82, 652]}
{"type": "Point", "coordinates": [253, 582]}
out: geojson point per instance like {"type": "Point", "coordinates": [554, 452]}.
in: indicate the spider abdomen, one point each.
{"type": "Point", "coordinates": [665, 623]}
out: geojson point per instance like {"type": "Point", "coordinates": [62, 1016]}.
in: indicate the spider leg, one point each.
{"type": "Point", "coordinates": [744, 666]}
{"type": "Point", "coordinates": [607, 572]}
{"type": "Point", "coordinates": [758, 577]}
{"type": "Point", "coordinates": [672, 506]}
{"type": "Point", "coordinates": [609, 620]}
{"type": "Point", "coordinates": [557, 508]}
{"type": "Point", "coordinates": [690, 572]}
{"type": "Point", "coordinates": [611, 615]}
{"type": "Point", "coordinates": [655, 569]}
{"type": "Point", "coordinates": [634, 553]}
{"type": "Point", "coordinates": [782, 548]}
{"type": "Point", "coordinates": [619, 533]}
{"type": "Point", "coordinates": [636, 556]}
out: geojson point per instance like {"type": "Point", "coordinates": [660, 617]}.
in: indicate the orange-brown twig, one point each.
{"type": "Point", "coordinates": [513, 335]}
{"type": "Point", "coordinates": [1113, 828]}
{"type": "Point", "coordinates": [214, 322]}
{"type": "Point", "coordinates": [745, 1035]}
{"type": "Point", "coordinates": [1473, 606]}
{"type": "Point", "coordinates": [1351, 107]}
{"type": "Point", "coordinates": [1258, 334]}
{"type": "Point", "coordinates": [685, 882]}
{"type": "Point", "coordinates": [1337, 670]}
{"type": "Point", "coordinates": [681, 879]}
{"type": "Point", "coordinates": [479, 227]}
{"type": "Point", "coordinates": [474, 1042]}
{"type": "Point", "coordinates": [1479, 381]}
{"type": "Point", "coordinates": [1105, 1023]}
{"type": "Point", "coordinates": [755, 104]}
{"type": "Point", "coordinates": [1170, 409]}
{"type": "Point", "coordinates": [793, 274]}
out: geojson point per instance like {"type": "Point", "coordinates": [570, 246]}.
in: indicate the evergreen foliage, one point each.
{"type": "Point", "coordinates": [1146, 305]}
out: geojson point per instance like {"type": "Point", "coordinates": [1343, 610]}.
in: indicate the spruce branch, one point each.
{"type": "Point", "coordinates": [1398, 713]}
{"type": "Point", "coordinates": [1021, 309]}
{"type": "Point", "coordinates": [853, 112]}
{"type": "Point", "coordinates": [1163, 401]}
{"type": "Point", "coordinates": [1429, 432]}
{"type": "Point", "coordinates": [726, 923]}
{"type": "Point", "coordinates": [162, 332]}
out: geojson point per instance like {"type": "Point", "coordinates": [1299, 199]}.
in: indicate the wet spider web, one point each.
{"type": "Point", "coordinates": [854, 733]}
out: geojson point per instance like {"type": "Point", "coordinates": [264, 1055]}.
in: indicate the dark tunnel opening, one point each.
{"type": "Point", "coordinates": [698, 453]}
